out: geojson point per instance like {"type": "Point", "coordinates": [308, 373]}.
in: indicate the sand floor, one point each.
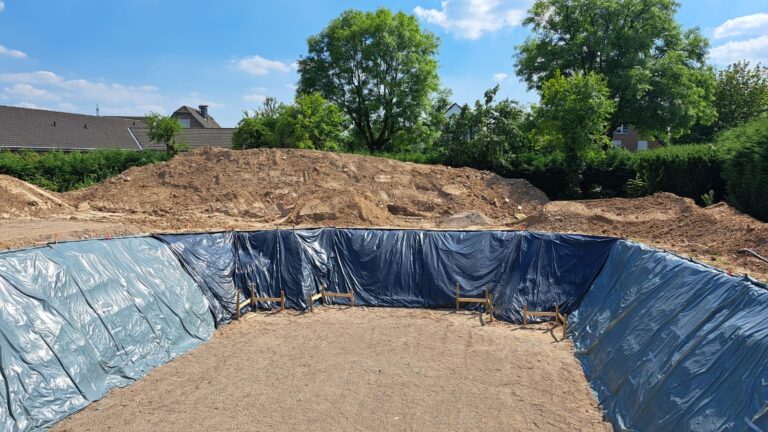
{"type": "Point", "coordinates": [341, 369]}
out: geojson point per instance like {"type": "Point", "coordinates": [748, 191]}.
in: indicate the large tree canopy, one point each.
{"type": "Point", "coordinates": [378, 67]}
{"type": "Point", "coordinates": [656, 72]}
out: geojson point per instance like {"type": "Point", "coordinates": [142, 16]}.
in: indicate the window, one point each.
{"type": "Point", "coordinates": [642, 145]}
{"type": "Point", "coordinates": [617, 143]}
{"type": "Point", "coordinates": [622, 130]}
{"type": "Point", "coordinates": [184, 123]}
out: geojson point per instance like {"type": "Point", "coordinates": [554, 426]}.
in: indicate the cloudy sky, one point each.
{"type": "Point", "coordinates": [133, 57]}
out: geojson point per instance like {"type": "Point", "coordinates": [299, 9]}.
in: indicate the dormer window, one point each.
{"type": "Point", "coordinates": [184, 123]}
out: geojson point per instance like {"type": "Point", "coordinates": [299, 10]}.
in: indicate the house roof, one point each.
{"type": "Point", "coordinates": [196, 138]}
{"type": "Point", "coordinates": [24, 128]}
{"type": "Point", "coordinates": [209, 122]}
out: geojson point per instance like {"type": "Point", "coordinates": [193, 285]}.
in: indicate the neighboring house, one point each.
{"type": "Point", "coordinates": [628, 137]}
{"type": "Point", "coordinates": [191, 118]}
{"type": "Point", "coordinates": [453, 110]}
{"type": "Point", "coordinates": [42, 130]}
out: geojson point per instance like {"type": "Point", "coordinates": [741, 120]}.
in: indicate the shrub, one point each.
{"type": "Point", "coordinates": [60, 172]}
{"type": "Point", "coordinates": [686, 170]}
{"type": "Point", "coordinates": [607, 174]}
{"type": "Point", "coordinates": [744, 155]}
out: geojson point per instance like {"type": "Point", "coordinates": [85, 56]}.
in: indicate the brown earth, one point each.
{"type": "Point", "coordinates": [359, 369]}
{"type": "Point", "coordinates": [214, 189]}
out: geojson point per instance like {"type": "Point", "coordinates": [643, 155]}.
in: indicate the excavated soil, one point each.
{"type": "Point", "coordinates": [359, 369]}
{"type": "Point", "coordinates": [215, 189]}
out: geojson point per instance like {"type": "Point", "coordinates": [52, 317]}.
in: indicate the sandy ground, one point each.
{"type": "Point", "coordinates": [342, 369]}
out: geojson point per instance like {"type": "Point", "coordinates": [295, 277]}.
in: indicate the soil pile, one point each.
{"type": "Point", "coordinates": [714, 234]}
{"type": "Point", "coordinates": [20, 199]}
{"type": "Point", "coordinates": [311, 188]}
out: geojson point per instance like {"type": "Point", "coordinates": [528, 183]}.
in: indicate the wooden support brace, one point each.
{"type": "Point", "coordinates": [487, 301]}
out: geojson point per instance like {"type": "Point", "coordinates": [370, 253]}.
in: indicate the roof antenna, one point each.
{"type": "Point", "coordinates": [97, 110]}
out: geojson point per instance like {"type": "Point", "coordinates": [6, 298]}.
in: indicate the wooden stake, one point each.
{"type": "Point", "coordinates": [457, 296]}
{"type": "Point", "coordinates": [237, 304]}
{"type": "Point", "coordinates": [525, 314]}
{"type": "Point", "coordinates": [282, 300]}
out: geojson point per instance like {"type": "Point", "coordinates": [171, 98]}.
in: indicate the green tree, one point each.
{"type": "Point", "coordinates": [656, 72]}
{"type": "Point", "coordinates": [310, 123]}
{"type": "Point", "coordinates": [487, 136]}
{"type": "Point", "coordinates": [572, 117]}
{"type": "Point", "coordinates": [163, 130]}
{"type": "Point", "coordinates": [257, 129]}
{"type": "Point", "coordinates": [378, 67]}
{"type": "Point", "coordinates": [741, 94]}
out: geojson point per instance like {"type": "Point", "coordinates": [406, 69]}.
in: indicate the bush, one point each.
{"type": "Point", "coordinates": [606, 174]}
{"type": "Point", "coordinates": [60, 172]}
{"type": "Point", "coordinates": [686, 170]}
{"type": "Point", "coordinates": [744, 155]}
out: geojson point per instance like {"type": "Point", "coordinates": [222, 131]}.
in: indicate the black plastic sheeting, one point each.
{"type": "Point", "coordinates": [210, 260]}
{"type": "Point", "coordinates": [672, 345]}
{"type": "Point", "coordinates": [81, 318]}
{"type": "Point", "coordinates": [666, 343]}
{"type": "Point", "coordinates": [399, 268]}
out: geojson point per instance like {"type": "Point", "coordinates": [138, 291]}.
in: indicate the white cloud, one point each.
{"type": "Point", "coordinates": [471, 19]}
{"type": "Point", "coordinates": [747, 25]}
{"type": "Point", "coordinates": [255, 98]}
{"type": "Point", "coordinates": [113, 98]}
{"type": "Point", "coordinates": [38, 77]}
{"type": "Point", "coordinates": [499, 77]}
{"type": "Point", "coordinates": [68, 107]}
{"type": "Point", "coordinates": [30, 105]}
{"type": "Point", "coordinates": [755, 50]}
{"type": "Point", "coordinates": [11, 53]}
{"type": "Point", "coordinates": [2, 5]}
{"type": "Point", "coordinates": [28, 91]}
{"type": "Point", "coordinates": [258, 65]}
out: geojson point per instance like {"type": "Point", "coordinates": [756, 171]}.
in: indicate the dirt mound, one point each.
{"type": "Point", "coordinates": [299, 187]}
{"type": "Point", "coordinates": [19, 199]}
{"type": "Point", "coordinates": [714, 234]}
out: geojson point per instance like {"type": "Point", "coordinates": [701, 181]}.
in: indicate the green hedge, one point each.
{"type": "Point", "coordinates": [744, 155]}
{"type": "Point", "coordinates": [686, 170]}
{"type": "Point", "coordinates": [60, 171]}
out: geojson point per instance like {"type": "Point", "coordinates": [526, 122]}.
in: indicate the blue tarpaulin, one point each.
{"type": "Point", "coordinates": [672, 345]}
{"type": "Point", "coordinates": [666, 343]}
{"type": "Point", "coordinates": [83, 317]}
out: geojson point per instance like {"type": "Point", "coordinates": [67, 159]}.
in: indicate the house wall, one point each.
{"type": "Point", "coordinates": [630, 141]}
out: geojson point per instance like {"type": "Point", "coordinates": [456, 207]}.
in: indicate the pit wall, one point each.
{"type": "Point", "coordinates": [667, 344]}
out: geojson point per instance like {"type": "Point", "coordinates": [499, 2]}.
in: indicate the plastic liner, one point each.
{"type": "Point", "coordinates": [412, 268]}
{"type": "Point", "coordinates": [81, 318]}
{"type": "Point", "coordinates": [210, 260]}
{"type": "Point", "coordinates": [672, 345]}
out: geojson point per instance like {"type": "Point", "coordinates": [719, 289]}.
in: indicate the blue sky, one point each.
{"type": "Point", "coordinates": [132, 57]}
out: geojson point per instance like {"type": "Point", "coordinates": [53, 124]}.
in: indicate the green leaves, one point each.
{"type": "Point", "coordinates": [163, 130]}
{"type": "Point", "coordinates": [379, 68]}
{"type": "Point", "coordinates": [573, 117]}
{"type": "Point", "coordinates": [655, 71]}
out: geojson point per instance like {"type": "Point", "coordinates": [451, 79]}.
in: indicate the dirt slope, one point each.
{"type": "Point", "coordinates": [214, 189]}
{"type": "Point", "coordinates": [713, 235]}
{"type": "Point", "coordinates": [294, 187]}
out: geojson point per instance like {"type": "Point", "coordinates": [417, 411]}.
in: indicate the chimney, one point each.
{"type": "Point", "coordinates": [204, 111]}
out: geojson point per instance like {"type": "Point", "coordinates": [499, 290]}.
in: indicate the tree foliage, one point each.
{"type": "Point", "coordinates": [655, 71]}
{"type": "Point", "coordinates": [378, 67]}
{"type": "Point", "coordinates": [486, 136]}
{"type": "Point", "coordinates": [163, 130]}
{"type": "Point", "coordinates": [741, 95]}
{"type": "Point", "coordinates": [572, 118]}
{"type": "Point", "coordinates": [257, 128]}
{"type": "Point", "coordinates": [309, 123]}
{"type": "Point", "coordinates": [744, 153]}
